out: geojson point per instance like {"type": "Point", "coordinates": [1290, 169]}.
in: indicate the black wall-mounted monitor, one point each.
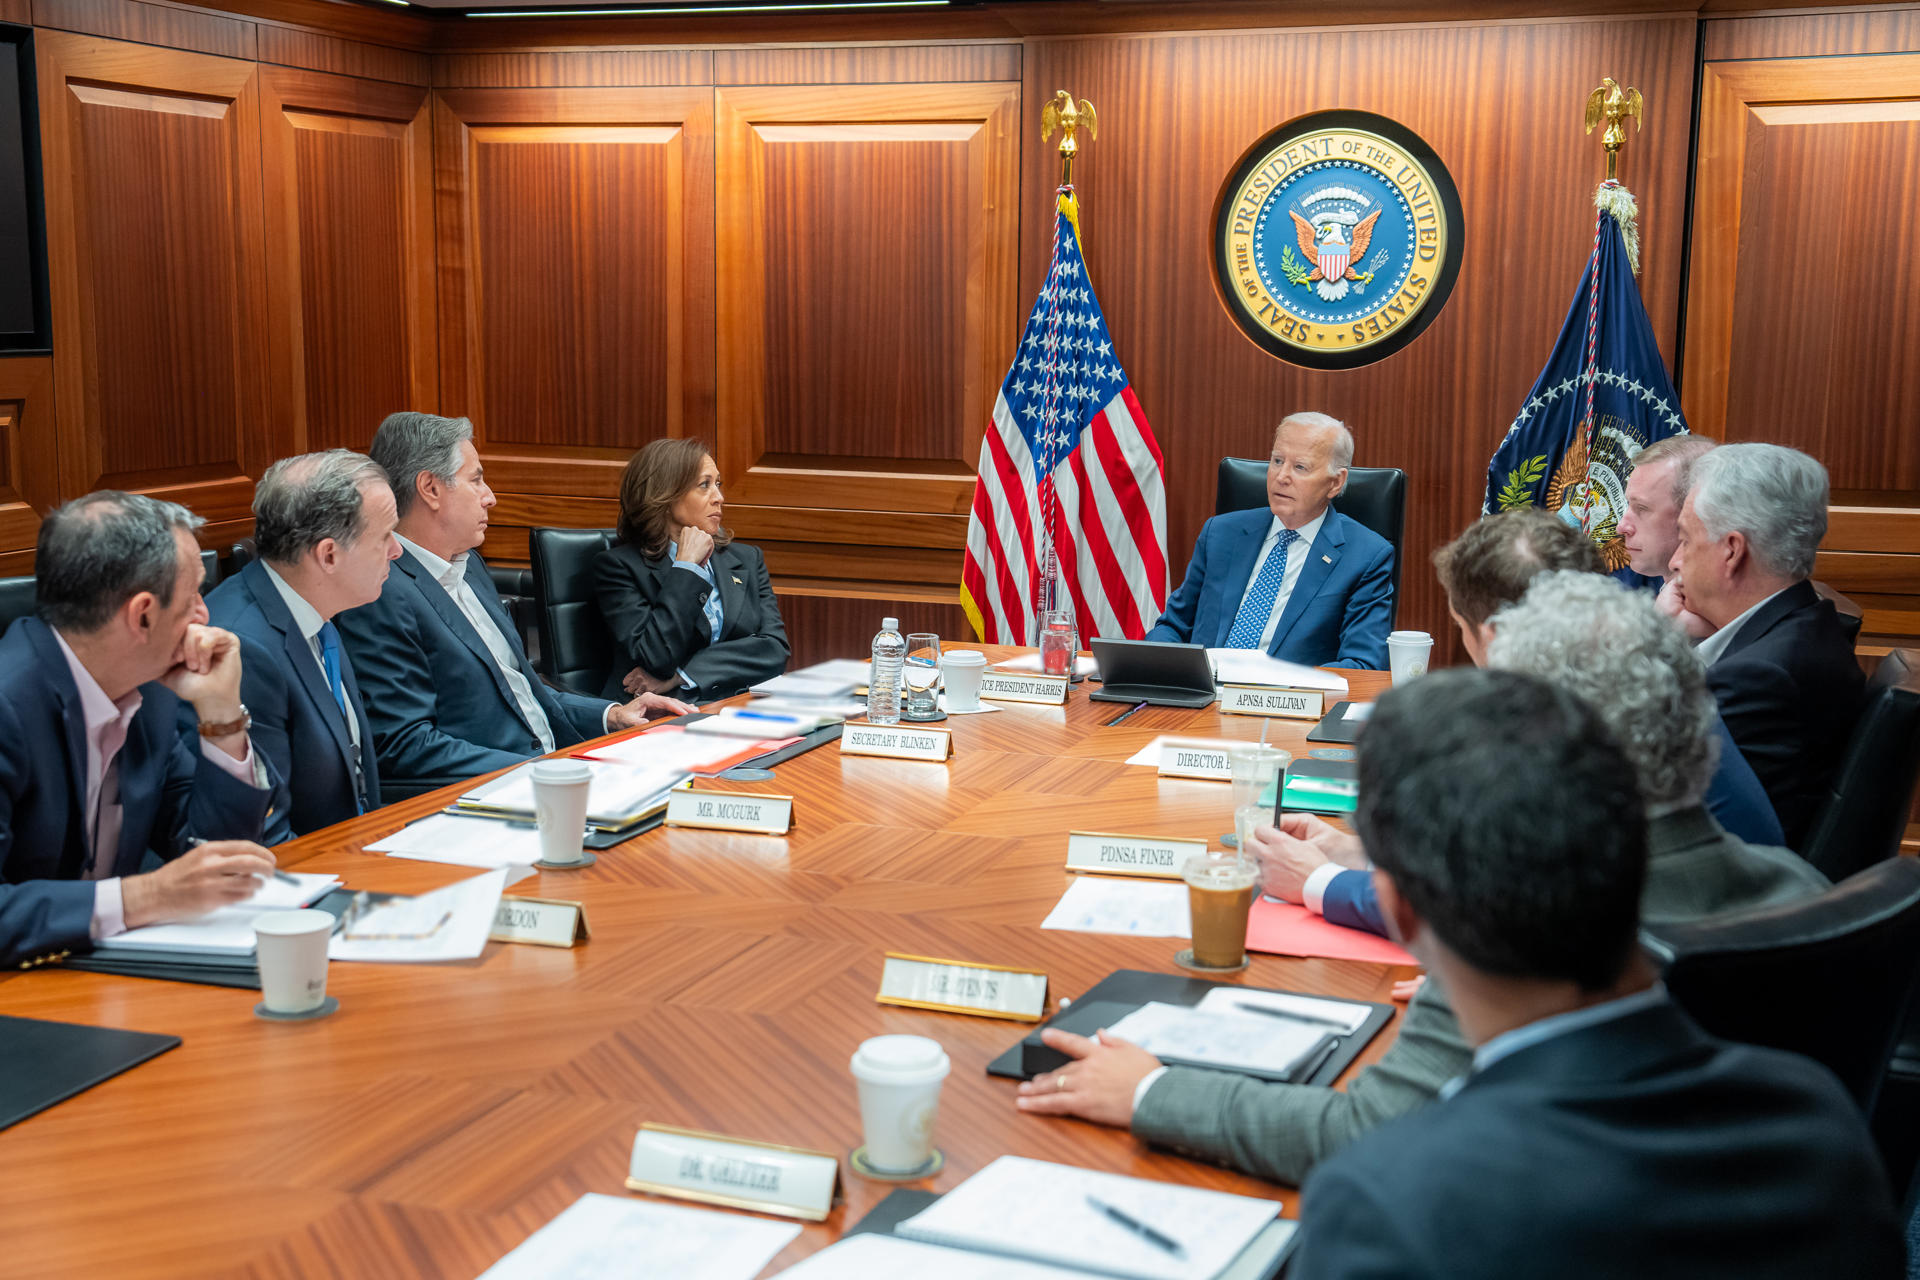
{"type": "Point", "coordinates": [25, 324]}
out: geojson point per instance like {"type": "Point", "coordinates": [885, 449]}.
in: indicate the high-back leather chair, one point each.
{"type": "Point", "coordinates": [1865, 812]}
{"type": "Point", "coordinates": [1850, 614]}
{"type": "Point", "coordinates": [1831, 977]}
{"type": "Point", "coordinates": [241, 554]}
{"type": "Point", "coordinates": [209, 570]}
{"type": "Point", "coordinates": [578, 650]}
{"type": "Point", "coordinates": [16, 600]}
{"type": "Point", "coordinates": [1374, 496]}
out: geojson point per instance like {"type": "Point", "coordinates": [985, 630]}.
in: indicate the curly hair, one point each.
{"type": "Point", "coordinates": [1613, 647]}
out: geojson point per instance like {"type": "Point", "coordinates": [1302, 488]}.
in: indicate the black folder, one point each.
{"type": "Point", "coordinates": [1338, 725]}
{"type": "Point", "coordinates": [44, 1063]}
{"type": "Point", "coordinates": [1135, 987]}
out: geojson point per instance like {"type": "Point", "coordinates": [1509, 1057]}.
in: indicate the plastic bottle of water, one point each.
{"type": "Point", "coordinates": [883, 680]}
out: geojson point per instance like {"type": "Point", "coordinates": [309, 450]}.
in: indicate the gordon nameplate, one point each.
{"type": "Point", "coordinates": [896, 742]}
{"type": "Point", "coordinates": [1006, 686]}
{"type": "Point", "coordinates": [735, 1172]}
{"type": "Point", "coordinates": [1129, 855]}
{"type": "Point", "coordinates": [730, 811]}
{"type": "Point", "coordinates": [1187, 759]}
{"type": "Point", "coordinates": [955, 986]}
{"type": "Point", "coordinates": [1266, 700]}
{"type": "Point", "coordinates": [545, 922]}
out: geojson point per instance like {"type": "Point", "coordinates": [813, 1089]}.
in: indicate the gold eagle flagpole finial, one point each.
{"type": "Point", "coordinates": [1061, 113]}
{"type": "Point", "coordinates": [1613, 104]}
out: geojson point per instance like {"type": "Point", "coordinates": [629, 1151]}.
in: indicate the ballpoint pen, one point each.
{"type": "Point", "coordinates": [1310, 1019]}
{"type": "Point", "coordinates": [1156, 1238]}
{"type": "Point", "coordinates": [194, 842]}
{"type": "Point", "coordinates": [1124, 714]}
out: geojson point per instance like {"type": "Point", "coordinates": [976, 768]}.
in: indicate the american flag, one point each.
{"type": "Point", "coordinates": [1070, 497]}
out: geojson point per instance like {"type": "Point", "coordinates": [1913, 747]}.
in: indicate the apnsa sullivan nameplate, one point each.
{"type": "Point", "coordinates": [1337, 239]}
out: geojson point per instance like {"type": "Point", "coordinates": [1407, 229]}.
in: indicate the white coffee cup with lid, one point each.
{"type": "Point", "coordinates": [961, 670]}
{"type": "Point", "coordinates": [899, 1079]}
{"type": "Point", "coordinates": [1407, 654]}
{"type": "Point", "coordinates": [560, 790]}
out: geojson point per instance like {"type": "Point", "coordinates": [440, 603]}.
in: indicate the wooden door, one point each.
{"type": "Point", "coordinates": [29, 465]}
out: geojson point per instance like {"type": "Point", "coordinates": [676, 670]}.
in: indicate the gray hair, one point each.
{"type": "Point", "coordinates": [1340, 457]}
{"type": "Point", "coordinates": [1774, 496]}
{"type": "Point", "coordinates": [1682, 451]}
{"type": "Point", "coordinates": [410, 443]}
{"type": "Point", "coordinates": [98, 551]}
{"type": "Point", "coordinates": [1612, 646]}
{"type": "Point", "coordinates": [304, 500]}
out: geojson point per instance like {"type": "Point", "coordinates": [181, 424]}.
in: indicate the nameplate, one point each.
{"type": "Point", "coordinates": [1129, 855]}
{"type": "Point", "coordinates": [730, 811]}
{"type": "Point", "coordinates": [736, 1172]}
{"type": "Point", "coordinates": [1180, 759]}
{"type": "Point", "coordinates": [545, 922]}
{"type": "Point", "coordinates": [1268, 700]}
{"type": "Point", "coordinates": [956, 986]}
{"type": "Point", "coordinates": [895, 741]}
{"type": "Point", "coordinates": [1008, 686]}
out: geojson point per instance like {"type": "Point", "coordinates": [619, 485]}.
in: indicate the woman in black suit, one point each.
{"type": "Point", "coordinates": [691, 611]}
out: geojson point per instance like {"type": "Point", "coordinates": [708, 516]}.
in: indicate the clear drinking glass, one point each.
{"type": "Point", "coordinates": [1059, 643]}
{"type": "Point", "coordinates": [922, 676]}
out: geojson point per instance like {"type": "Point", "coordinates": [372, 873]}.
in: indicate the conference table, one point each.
{"type": "Point", "coordinates": [447, 1111]}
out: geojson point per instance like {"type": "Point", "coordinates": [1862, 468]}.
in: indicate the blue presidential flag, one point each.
{"type": "Point", "coordinates": [1602, 398]}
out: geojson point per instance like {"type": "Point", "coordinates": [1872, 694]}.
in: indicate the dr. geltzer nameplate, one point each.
{"type": "Point", "coordinates": [741, 1174]}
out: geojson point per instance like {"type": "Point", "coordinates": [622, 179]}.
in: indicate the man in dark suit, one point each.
{"type": "Point", "coordinates": [1650, 525]}
{"type": "Point", "coordinates": [1598, 1132]}
{"type": "Point", "coordinates": [445, 679]}
{"type": "Point", "coordinates": [323, 523]}
{"type": "Point", "coordinates": [1780, 661]}
{"type": "Point", "coordinates": [122, 736]}
{"type": "Point", "coordinates": [1298, 580]}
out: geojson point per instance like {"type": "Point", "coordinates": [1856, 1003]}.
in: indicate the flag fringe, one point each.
{"type": "Point", "coordinates": [1615, 199]}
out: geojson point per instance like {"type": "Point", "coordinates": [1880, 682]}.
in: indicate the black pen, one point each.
{"type": "Point", "coordinates": [1158, 1239]}
{"type": "Point", "coordinates": [1308, 1018]}
{"type": "Point", "coordinates": [1124, 714]}
{"type": "Point", "coordinates": [194, 842]}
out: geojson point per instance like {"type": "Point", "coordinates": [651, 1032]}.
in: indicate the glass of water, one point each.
{"type": "Point", "coordinates": [1059, 643]}
{"type": "Point", "coordinates": [922, 677]}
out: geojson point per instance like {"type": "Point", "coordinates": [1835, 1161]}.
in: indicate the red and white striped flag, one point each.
{"type": "Point", "coordinates": [1070, 508]}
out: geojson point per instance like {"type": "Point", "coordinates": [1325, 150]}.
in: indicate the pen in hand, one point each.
{"type": "Point", "coordinates": [1158, 1239]}
{"type": "Point", "coordinates": [194, 842]}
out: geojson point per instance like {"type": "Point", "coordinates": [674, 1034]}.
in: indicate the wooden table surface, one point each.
{"type": "Point", "coordinates": [446, 1111]}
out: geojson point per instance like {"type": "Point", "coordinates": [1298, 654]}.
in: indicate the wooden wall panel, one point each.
{"type": "Point", "coordinates": [575, 234]}
{"type": "Point", "coordinates": [342, 57]}
{"type": "Point", "coordinates": [1880, 30]}
{"type": "Point", "coordinates": [17, 11]}
{"type": "Point", "coordinates": [179, 28]}
{"type": "Point", "coordinates": [1177, 113]}
{"type": "Point", "coordinates": [843, 626]}
{"type": "Point", "coordinates": [623, 67]}
{"type": "Point", "coordinates": [29, 463]}
{"type": "Point", "coordinates": [155, 248]}
{"type": "Point", "coordinates": [899, 64]}
{"type": "Point", "coordinates": [348, 174]}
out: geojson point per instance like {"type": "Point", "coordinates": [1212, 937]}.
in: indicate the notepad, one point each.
{"type": "Point", "coordinates": [227, 931]}
{"type": "Point", "coordinates": [1227, 1036]}
{"type": "Point", "coordinates": [883, 1257]}
{"type": "Point", "coordinates": [602, 1237]}
{"type": "Point", "coordinates": [619, 794]}
{"type": "Point", "coordinates": [1249, 666]}
{"type": "Point", "coordinates": [1049, 1213]}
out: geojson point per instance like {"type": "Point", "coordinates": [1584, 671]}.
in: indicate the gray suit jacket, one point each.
{"type": "Point", "coordinates": [1280, 1131]}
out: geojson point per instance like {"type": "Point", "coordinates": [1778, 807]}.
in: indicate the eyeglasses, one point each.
{"type": "Point", "coordinates": [363, 906]}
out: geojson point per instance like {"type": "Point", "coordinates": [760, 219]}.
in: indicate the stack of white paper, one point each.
{"type": "Point", "coordinates": [227, 931]}
{"type": "Point", "coordinates": [800, 685]}
{"type": "Point", "coordinates": [619, 794]}
{"type": "Point", "coordinates": [1115, 904]}
{"type": "Point", "coordinates": [1345, 1016]}
{"type": "Point", "coordinates": [671, 747]}
{"type": "Point", "coordinates": [467, 842]}
{"type": "Point", "coordinates": [878, 1257]}
{"type": "Point", "coordinates": [448, 924]}
{"type": "Point", "coordinates": [1226, 1037]}
{"type": "Point", "coordinates": [609, 1238]}
{"type": "Point", "coordinates": [1250, 666]}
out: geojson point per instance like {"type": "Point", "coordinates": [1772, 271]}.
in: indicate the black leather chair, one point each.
{"type": "Point", "coordinates": [241, 554]}
{"type": "Point", "coordinates": [573, 637]}
{"type": "Point", "coordinates": [16, 600]}
{"type": "Point", "coordinates": [1375, 496]}
{"type": "Point", "coordinates": [1866, 809]}
{"type": "Point", "coordinates": [1850, 614]}
{"type": "Point", "coordinates": [210, 570]}
{"type": "Point", "coordinates": [515, 585]}
{"type": "Point", "coordinates": [1831, 977]}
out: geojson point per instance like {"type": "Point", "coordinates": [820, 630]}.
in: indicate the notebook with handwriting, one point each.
{"type": "Point", "coordinates": [1101, 1222]}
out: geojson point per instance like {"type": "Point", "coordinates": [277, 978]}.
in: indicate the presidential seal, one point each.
{"type": "Point", "coordinates": [1337, 239]}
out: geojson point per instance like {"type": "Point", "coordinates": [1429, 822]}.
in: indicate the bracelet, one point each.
{"type": "Point", "coordinates": [241, 724]}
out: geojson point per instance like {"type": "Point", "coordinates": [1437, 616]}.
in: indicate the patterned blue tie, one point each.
{"type": "Point", "coordinates": [1258, 606]}
{"type": "Point", "coordinates": [330, 663]}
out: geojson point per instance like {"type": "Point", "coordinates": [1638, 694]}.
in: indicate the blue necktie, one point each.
{"type": "Point", "coordinates": [1258, 606]}
{"type": "Point", "coordinates": [330, 663]}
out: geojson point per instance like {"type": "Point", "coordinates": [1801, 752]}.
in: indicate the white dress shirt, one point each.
{"type": "Point", "coordinates": [1289, 576]}
{"type": "Point", "coordinates": [1716, 644]}
{"type": "Point", "coordinates": [308, 619]}
{"type": "Point", "coordinates": [452, 575]}
{"type": "Point", "coordinates": [105, 724]}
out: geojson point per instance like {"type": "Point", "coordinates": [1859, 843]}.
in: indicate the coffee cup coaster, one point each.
{"type": "Point", "coordinates": [1184, 958]}
{"type": "Point", "coordinates": [586, 860]}
{"type": "Point", "coordinates": [935, 718]}
{"type": "Point", "coordinates": [321, 1010]}
{"type": "Point", "coordinates": [1331, 753]}
{"type": "Point", "coordinates": [935, 1164]}
{"type": "Point", "coordinates": [746, 773]}
{"type": "Point", "coordinates": [1230, 840]}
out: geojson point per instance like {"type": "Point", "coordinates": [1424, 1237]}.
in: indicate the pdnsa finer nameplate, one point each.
{"type": "Point", "coordinates": [896, 742]}
{"type": "Point", "coordinates": [1006, 686]}
{"type": "Point", "coordinates": [958, 986]}
{"type": "Point", "coordinates": [729, 811]}
{"type": "Point", "coordinates": [736, 1172]}
{"type": "Point", "coordinates": [1129, 855]}
{"type": "Point", "coordinates": [1268, 700]}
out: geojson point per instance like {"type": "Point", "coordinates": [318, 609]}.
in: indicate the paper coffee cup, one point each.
{"type": "Point", "coordinates": [291, 948]}
{"type": "Point", "coordinates": [961, 670]}
{"type": "Point", "coordinates": [1407, 654]}
{"type": "Point", "coordinates": [560, 807]}
{"type": "Point", "coordinates": [899, 1080]}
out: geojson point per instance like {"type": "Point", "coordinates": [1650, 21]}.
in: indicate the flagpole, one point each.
{"type": "Point", "coordinates": [1063, 113]}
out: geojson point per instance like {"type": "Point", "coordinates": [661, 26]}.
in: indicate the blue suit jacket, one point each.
{"type": "Point", "coordinates": [1337, 614]}
{"type": "Point", "coordinates": [170, 794]}
{"type": "Point", "coordinates": [440, 707]}
{"type": "Point", "coordinates": [294, 714]}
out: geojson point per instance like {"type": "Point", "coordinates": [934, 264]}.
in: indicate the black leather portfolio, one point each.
{"type": "Point", "coordinates": [44, 1063]}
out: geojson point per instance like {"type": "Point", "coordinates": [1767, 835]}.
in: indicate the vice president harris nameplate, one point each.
{"type": "Point", "coordinates": [1337, 239]}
